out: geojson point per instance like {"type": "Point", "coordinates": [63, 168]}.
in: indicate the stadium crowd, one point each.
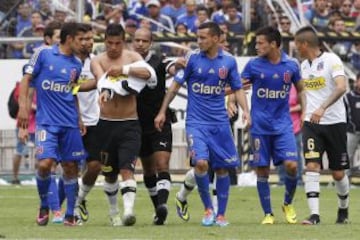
{"type": "Point", "coordinates": [211, 146]}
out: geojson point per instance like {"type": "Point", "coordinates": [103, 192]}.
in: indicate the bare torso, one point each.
{"type": "Point", "coordinates": [119, 107]}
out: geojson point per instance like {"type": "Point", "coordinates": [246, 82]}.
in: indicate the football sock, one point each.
{"type": "Point", "coordinates": [61, 191]}
{"type": "Point", "coordinates": [150, 184]}
{"type": "Point", "coordinates": [128, 192]}
{"type": "Point", "coordinates": [163, 186]}
{"type": "Point", "coordinates": [71, 189]}
{"type": "Point", "coordinates": [53, 194]}
{"type": "Point", "coordinates": [111, 191]}
{"type": "Point", "coordinates": [43, 184]}
{"type": "Point", "coordinates": [188, 185]}
{"type": "Point", "coordinates": [290, 188]}
{"type": "Point", "coordinates": [264, 194]}
{"type": "Point", "coordinates": [342, 188]}
{"type": "Point", "coordinates": [222, 188]}
{"type": "Point", "coordinates": [312, 190]}
{"type": "Point", "coordinates": [202, 180]}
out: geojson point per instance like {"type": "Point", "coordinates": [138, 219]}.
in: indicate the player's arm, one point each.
{"type": "Point", "coordinates": [87, 86]}
{"type": "Point", "coordinates": [24, 109]}
{"type": "Point", "coordinates": [170, 95]}
{"type": "Point", "coordinates": [340, 89]}
{"type": "Point", "coordinates": [97, 70]}
{"type": "Point", "coordinates": [301, 99]}
{"type": "Point", "coordinates": [242, 101]}
{"type": "Point", "coordinates": [82, 127]}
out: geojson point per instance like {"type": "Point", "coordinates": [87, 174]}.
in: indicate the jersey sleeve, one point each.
{"type": "Point", "coordinates": [183, 74]}
{"type": "Point", "coordinates": [336, 66]}
{"type": "Point", "coordinates": [34, 65]}
{"type": "Point", "coordinates": [246, 73]}
{"type": "Point", "coordinates": [234, 76]}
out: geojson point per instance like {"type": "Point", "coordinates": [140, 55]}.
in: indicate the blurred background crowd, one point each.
{"type": "Point", "coordinates": [175, 22]}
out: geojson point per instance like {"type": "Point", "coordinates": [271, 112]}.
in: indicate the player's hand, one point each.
{"type": "Point", "coordinates": [246, 84]}
{"type": "Point", "coordinates": [317, 115]}
{"type": "Point", "coordinates": [82, 127]}
{"type": "Point", "coordinates": [231, 109]}
{"type": "Point", "coordinates": [159, 121]}
{"type": "Point", "coordinates": [103, 98]}
{"type": "Point", "coordinates": [114, 71]}
{"type": "Point", "coordinates": [23, 135]}
{"type": "Point", "coordinates": [180, 63]}
{"type": "Point", "coordinates": [246, 119]}
{"type": "Point", "coordinates": [23, 118]}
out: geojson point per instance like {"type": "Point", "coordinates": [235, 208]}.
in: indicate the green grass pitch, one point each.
{"type": "Point", "coordinates": [18, 208]}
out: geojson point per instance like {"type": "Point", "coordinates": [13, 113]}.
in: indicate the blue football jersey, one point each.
{"type": "Point", "coordinates": [270, 93]}
{"type": "Point", "coordinates": [206, 80]}
{"type": "Point", "coordinates": [53, 76]}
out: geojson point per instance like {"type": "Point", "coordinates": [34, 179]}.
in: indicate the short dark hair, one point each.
{"type": "Point", "coordinates": [70, 29]}
{"type": "Point", "coordinates": [271, 34]}
{"type": "Point", "coordinates": [51, 27]}
{"type": "Point", "coordinates": [214, 28]}
{"type": "Point", "coordinates": [87, 27]}
{"type": "Point", "coordinates": [307, 34]}
{"type": "Point", "coordinates": [115, 30]}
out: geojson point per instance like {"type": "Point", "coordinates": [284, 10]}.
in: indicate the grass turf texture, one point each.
{"type": "Point", "coordinates": [18, 209]}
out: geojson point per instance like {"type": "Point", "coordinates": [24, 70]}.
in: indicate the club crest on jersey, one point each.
{"type": "Point", "coordinates": [320, 66]}
{"type": "Point", "coordinates": [287, 77]}
{"type": "Point", "coordinates": [223, 72]}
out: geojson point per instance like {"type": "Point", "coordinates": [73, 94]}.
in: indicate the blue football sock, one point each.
{"type": "Point", "coordinates": [61, 191]}
{"type": "Point", "coordinates": [264, 194]}
{"type": "Point", "coordinates": [202, 181]}
{"type": "Point", "coordinates": [43, 184]}
{"type": "Point", "coordinates": [71, 189]}
{"type": "Point", "coordinates": [222, 190]}
{"type": "Point", "coordinates": [290, 188]}
{"type": "Point", "coordinates": [53, 196]}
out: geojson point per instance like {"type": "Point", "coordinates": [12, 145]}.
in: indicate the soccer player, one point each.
{"type": "Point", "coordinates": [208, 131]}
{"type": "Point", "coordinates": [119, 129]}
{"type": "Point", "coordinates": [271, 75]}
{"type": "Point", "coordinates": [189, 182]}
{"type": "Point", "coordinates": [325, 122]}
{"type": "Point", "coordinates": [53, 71]}
{"type": "Point", "coordinates": [156, 146]}
{"type": "Point", "coordinates": [90, 111]}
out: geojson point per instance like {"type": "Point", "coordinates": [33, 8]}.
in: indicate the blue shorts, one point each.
{"type": "Point", "coordinates": [22, 149]}
{"type": "Point", "coordinates": [59, 143]}
{"type": "Point", "coordinates": [279, 148]}
{"type": "Point", "coordinates": [214, 144]}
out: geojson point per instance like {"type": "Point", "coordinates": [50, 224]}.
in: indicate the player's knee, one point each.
{"type": "Point", "coordinates": [94, 167]}
{"type": "Point", "coordinates": [291, 168]}
{"type": "Point", "coordinates": [338, 175]}
{"type": "Point", "coordinates": [201, 166]}
{"type": "Point", "coordinates": [44, 167]}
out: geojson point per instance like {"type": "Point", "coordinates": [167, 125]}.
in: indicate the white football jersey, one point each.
{"type": "Point", "coordinates": [88, 101]}
{"type": "Point", "coordinates": [319, 84]}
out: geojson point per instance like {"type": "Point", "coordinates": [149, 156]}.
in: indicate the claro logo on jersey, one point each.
{"type": "Point", "coordinates": [273, 94]}
{"type": "Point", "coordinates": [208, 89]}
{"type": "Point", "coordinates": [314, 83]}
{"type": "Point", "coordinates": [55, 87]}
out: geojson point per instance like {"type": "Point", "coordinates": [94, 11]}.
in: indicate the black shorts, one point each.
{"type": "Point", "coordinates": [119, 143]}
{"type": "Point", "coordinates": [330, 138]}
{"type": "Point", "coordinates": [90, 142]}
{"type": "Point", "coordinates": [154, 141]}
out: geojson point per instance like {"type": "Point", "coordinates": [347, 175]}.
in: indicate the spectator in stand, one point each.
{"type": "Point", "coordinates": [165, 22]}
{"type": "Point", "coordinates": [189, 18]}
{"type": "Point", "coordinates": [355, 56]}
{"type": "Point", "coordinates": [30, 47]}
{"type": "Point", "coordinates": [60, 15]}
{"type": "Point", "coordinates": [36, 20]}
{"type": "Point", "coordinates": [221, 15]}
{"type": "Point", "coordinates": [356, 9]}
{"type": "Point", "coordinates": [341, 48]}
{"type": "Point", "coordinates": [202, 14]}
{"type": "Point", "coordinates": [318, 16]}
{"type": "Point", "coordinates": [234, 22]}
{"type": "Point", "coordinates": [345, 11]}
{"type": "Point", "coordinates": [174, 9]}
{"type": "Point", "coordinates": [130, 27]}
{"type": "Point", "coordinates": [285, 26]}
{"type": "Point", "coordinates": [21, 22]}
{"type": "Point", "coordinates": [45, 10]}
